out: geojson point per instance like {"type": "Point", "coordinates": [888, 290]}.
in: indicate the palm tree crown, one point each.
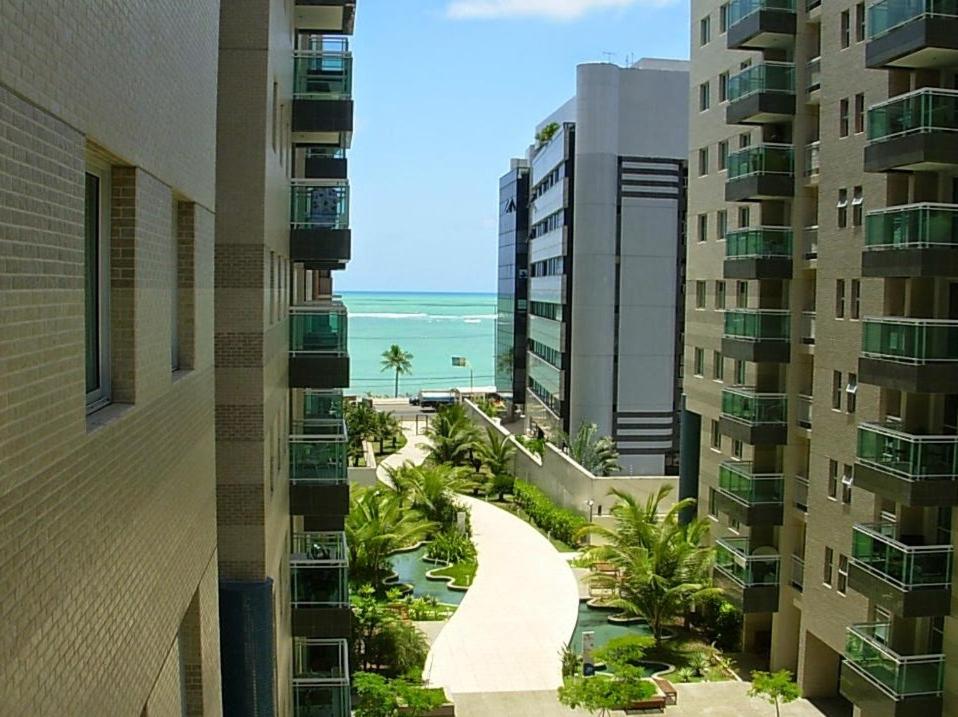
{"type": "Point", "coordinates": [395, 359]}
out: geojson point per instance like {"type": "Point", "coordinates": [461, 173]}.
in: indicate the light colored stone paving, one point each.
{"type": "Point", "coordinates": [507, 634]}
{"type": "Point", "coordinates": [414, 451]}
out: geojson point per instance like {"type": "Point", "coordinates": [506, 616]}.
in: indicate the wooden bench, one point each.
{"type": "Point", "coordinates": [671, 694]}
{"type": "Point", "coordinates": [652, 704]}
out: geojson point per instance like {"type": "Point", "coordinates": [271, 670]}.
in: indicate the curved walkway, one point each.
{"type": "Point", "coordinates": [519, 613]}
{"type": "Point", "coordinates": [413, 452]}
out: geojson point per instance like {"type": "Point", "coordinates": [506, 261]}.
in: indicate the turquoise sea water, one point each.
{"type": "Point", "coordinates": [433, 327]}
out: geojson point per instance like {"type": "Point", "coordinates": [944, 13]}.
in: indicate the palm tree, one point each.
{"type": "Point", "coordinates": [376, 526]}
{"type": "Point", "coordinates": [432, 489]}
{"type": "Point", "coordinates": [597, 455]}
{"type": "Point", "coordinates": [662, 565]}
{"type": "Point", "coordinates": [453, 437]}
{"type": "Point", "coordinates": [497, 455]}
{"type": "Point", "coordinates": [395, 359]}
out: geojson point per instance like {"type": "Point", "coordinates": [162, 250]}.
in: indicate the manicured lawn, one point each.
{"type": "Point", "coordinates": [389, 448]}
{"type": "Point", "coordinates": [463, 573]}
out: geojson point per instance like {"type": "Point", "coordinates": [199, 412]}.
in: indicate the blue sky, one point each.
{"type": "Point", "coordinates": [446, 92]}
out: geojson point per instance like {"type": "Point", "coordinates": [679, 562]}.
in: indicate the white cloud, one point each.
{"type": "Point", "coordinates": [552, 9]}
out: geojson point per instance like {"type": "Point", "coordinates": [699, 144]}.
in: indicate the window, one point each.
{"type": "Point", "coordinates": [842, 207]}
{"type": "Point", "coordinates": [734, 524]}
{"type": "Point", "coordinates": [856, 300]}
{"type": "Point", "coordinates": [860, 22]}
{"type": "Point", "coordinates": [718, 366]}
{"type": "Point", "coordinates": [851, 393]}
{"type": "Point", "coordinates": [736, 448]}
{"type": "Point", "coordinates": [845, 35]}
{"type": "Point", "coordinates": [705, 30]}
{"type": "Point", "coordinates": [839, 298]}
{"type": "Point", "coordinates": [720, 295]}
{"type": "Point", "coordinates": [275, 116]}
{"type": "Point", "coordinates": [698, 362]}
{"type": "Point", "coordinates": [723, 19]}
{"type": "Point", "coordinates": [699, 294]}
{"type": "Point", "coordinates": [713, 511]}
{"type": "Point", "coordinates": [175, 289]}
{"type": "Point", "coordinates": [744, 217]}
{"type": "Point", "coordinates": [703, 227]}
{"type": "Point", "coordinates": [741, 295]}
{"type": "Point", "coordinates": [723, 154]}
{"type": "Point", "coordinates": [848, 477]}
{"type": "Point", "coordinates": [739, 372]}
{"type": "Point", "coordinates": [827, 570]}
{"type": "Point", "coordinates": [837, 387]}
{"type": "Point", "coordinates": [272, 286]}
{"type": "Point", "coordinates": [833, 479]}
{"type": "Point", "coordinates": [843, 117]}
{"type": "Point", "coordinates": [859, 113]}
{"type": "Point", "coordinates": [703, 161]}
{"type": "Point", "coordinates": [842, 574]}
{"type": "Point", "coordinates": [716, 436]}
{"type": "Point", "coordinates": [744, 140]}
{"type": "Point", "coordinates": [723, 87]}
{"type": "Point", "coordinates": [705, 96]}
{"type": "Point", "coordinates": [721, 224]}
{"type": "Point", "coordinates": [858, 207]}
{"type": "Point", "coordinates": [96, 285]}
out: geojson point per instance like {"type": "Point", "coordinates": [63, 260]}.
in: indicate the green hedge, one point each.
{"type": "Point", "coordinates": [560, 523]}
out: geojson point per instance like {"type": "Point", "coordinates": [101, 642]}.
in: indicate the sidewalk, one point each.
{"type": "Point", "coordinates": [413, 451]}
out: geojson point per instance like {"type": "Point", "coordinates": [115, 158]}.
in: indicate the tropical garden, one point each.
{"type": "Point", "coordinates": [380, 428]}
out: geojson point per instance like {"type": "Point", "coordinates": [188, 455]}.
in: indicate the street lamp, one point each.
{"type": "Point", "coordinates": [590, 503]}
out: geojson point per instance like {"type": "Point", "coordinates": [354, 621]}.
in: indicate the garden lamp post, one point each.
{"type": "Point", "coordinates": [590, 503]}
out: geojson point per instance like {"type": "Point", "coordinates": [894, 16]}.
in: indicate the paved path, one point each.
{"type": "Point", "coordinates": [516, 617]}
{"type": "Point", "coordinates": [413, 451]}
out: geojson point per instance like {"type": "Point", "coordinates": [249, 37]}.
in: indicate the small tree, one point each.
{"type": "Point", "coordinates": [776, 688]}
{"type": "Point", "coordinates": [395, 359]}
{"type": "Point", "coordinates": [600, 694]}
{"type": "Point", "coordinates": [378, 696]}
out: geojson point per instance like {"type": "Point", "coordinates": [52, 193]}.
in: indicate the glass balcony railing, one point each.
{"type": "Point", "coordinates": [733, 559]}
{"type": "Point", "coordinates": [808, 320]}
{"type": "Point", "coordinates": [759, 243]}
{"type": "Point", "coordinates": [319, 204]}
{"type": "Point", "coordinates": [318, 458]}
{"type": "Point", "coordinates": [913, 226]}
{"type": "Point", "coordinates": [909, 456]}
{"type": "Point", "coordinates": [800, 498]}
{"type": "Point", "coordinates": [738, 10]}
{"type": "Point", "coordinates": [319, 575]}
{"type": "Point", "coordinates": [324, 72]}
{"type": "Point", "coordinates": [926, 110]}
{"type": "Point", "coordinates": [320, 678]}
{"type": "Point", "coordinates": [757, 324]}
{"type": "Point", "coordinates": [899, 676]}
{"type": "Point", "coordinates": [318, 329]}
{"type": "Point", "coordinates": [318, 152]}
{"type": "Point", "coordinates": [804, 407]}
{"type": "Point", "coordinates": [765, 77]}
{"type": "Point", "coordinates": [815, 74]}
{"type": "Point", "coordinates": [762, 159]}
{"type": "Point", "coordinates": [813, 159]}
{"type": "Point", "coordinates": [747, 406]}
{"type": "Point", "coordinates": [737, 480]}
{"type": "Point", "coordinates": [912, 341]}
{"type": "Point", "coordinates": [798, 573]}
{"type": "Point", "coordinates": [326, 547]}
{"type": "Point", "coordinates": [877, 549]}
{"type": "Point", "coordinates": [886, 15]}
{"type": "Point", "coordinates": [322, 405]}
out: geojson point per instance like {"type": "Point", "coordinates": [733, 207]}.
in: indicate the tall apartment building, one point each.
{"type": "Point", "coordinates": [285, 123]}
{"type": "Point", "coordinates": [513, 289]}
{"type": "Point", "coordinates": [606, 248]}
{"type": "Point", "coordinates": [822, 335]}
{"type": "Point", "coordinates": [107, 489]}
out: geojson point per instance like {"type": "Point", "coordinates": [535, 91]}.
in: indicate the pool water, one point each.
{"type": "Point", "coordinates": [412, 570]}
{"type": "Point", "coordinates": [591, 619]}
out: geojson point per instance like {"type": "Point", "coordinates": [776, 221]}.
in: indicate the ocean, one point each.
{"type": "Point", "coordinates": [433, 327]}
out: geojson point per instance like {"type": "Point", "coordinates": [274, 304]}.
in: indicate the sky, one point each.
{"type": "Point", "coordinates": [446, 92]}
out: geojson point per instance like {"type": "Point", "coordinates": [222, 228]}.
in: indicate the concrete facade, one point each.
{"type": "Point", "coordinates": [820, 395]}
{"type": "Point", "coordinates": [108, 530]}
{"type": "Point", "coordinates": [613, 173]}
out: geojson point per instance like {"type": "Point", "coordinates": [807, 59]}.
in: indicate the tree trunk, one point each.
{"type": "Point", "coordinates": [397, 384]}
{"type": "Point", "coordinates": [776, 708]}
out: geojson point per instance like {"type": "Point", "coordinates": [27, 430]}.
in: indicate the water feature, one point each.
{"type": "Point", "coordinates": [412, 570]}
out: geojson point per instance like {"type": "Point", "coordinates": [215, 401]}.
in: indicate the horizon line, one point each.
{"type": "Point", "coordinates": [407, 291]}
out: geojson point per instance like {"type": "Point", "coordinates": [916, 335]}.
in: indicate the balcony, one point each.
{"type": "Point", "coordinates": [751, 581]}
{"type": "Point", "coordinates": [318, 471]}
{"type": "Point", "coordinates": [758, 253]}
{"type": "Point", "coordinates": [762, 94]}
{"type": "Point", "coordinates": [814, 84]}
{"type": "Point", "coordinates": [900, 573]}
{"type": "Point", "coordinates": [915, 240]}
{"type": "Point", "coordinates": [760, 24]}
{"type": "Point", "coordinates": [803, 412]}
{"type": "Point", "coordinates": [813, 162]}
{"type": "Point", "coordinates": [322, 406]}
{"type": "Point", "coordinates": [912, 34]}
{"type": "Point", "coordinates": [913, 355]}
{"type": "Point", "coordinates": [318, 356]}
{"type": "Point", "coordinates": [798, 573]}
{"type": "Point", "coordinates": [329, 16]}
{"type": "Point", "coordinates": [764, 171]}
{"type": "Point", "coordinates": [807, 327]}
{"type": "Point", "coordinates": [320, 678]}
{"type": "Point", "coordinates": [319, 596]}
{"type": "Point", "coordinates": [319, 235]}
{"type": "Point", "coordinates": [754, 418]}
{"type": "Point", "coordinates": [751, 498]}
{"type": "Point", "coordinates": [917, 132]}
{"type": "Point", "coordinates": [810, 243]}
{"type": "Point", "coordinates": [800, 497]}
{"type": "Point", "coordinates": [322, 94]}
{"type": "Point", "coordinates": [908, 468]}
{"type": "Point", "coordinates": [756, 335]}
{"type": "Point", "coordinates": [882, 682]}
{"type": "Point", "coordinates": [325, 163]}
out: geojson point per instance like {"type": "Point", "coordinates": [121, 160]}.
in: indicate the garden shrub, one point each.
{"type": "Point", "coordinates": [560, 523]}
{"type": "Point", "coordinates": [451, 546]}
{"type": "Point", "coordinates": [721, 621]}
